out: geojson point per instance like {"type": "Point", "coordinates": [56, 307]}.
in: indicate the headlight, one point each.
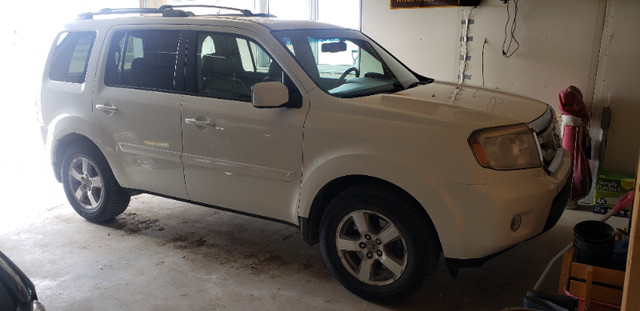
{"type": "Point", "coordinates": [506, 147]}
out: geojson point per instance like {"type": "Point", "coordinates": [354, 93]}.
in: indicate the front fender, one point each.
{"type": "Point", "coordinates": [317, 176]}
{"type": "Point", "coordinates": [445, 214]}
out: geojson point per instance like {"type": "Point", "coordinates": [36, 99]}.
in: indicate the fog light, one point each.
{"type": "Point", "coordinates": [515, 223]}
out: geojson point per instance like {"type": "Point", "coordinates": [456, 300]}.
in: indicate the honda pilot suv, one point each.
{"type": "Point", "coordinates": [303, 123]}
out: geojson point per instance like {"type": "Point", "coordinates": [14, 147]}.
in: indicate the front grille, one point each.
{"type": "Point", "coordinates": [548, 139]}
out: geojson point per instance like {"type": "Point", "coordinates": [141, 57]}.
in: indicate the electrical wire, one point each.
{"type": "Point", "coordinates": [511, 34]}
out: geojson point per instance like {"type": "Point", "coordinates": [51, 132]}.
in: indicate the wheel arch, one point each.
{"type": "Point", "coordinates": [91, 188]}
{"type": "Point", "coordinates": [310, 226]}
{"type": "Point", "coordinates": [62, 145]}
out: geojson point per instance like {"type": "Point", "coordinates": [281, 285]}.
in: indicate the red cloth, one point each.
{"type": "Point", "coordinates": [576, 140]}
{"type": "Point", "coordinates": [571, 104]}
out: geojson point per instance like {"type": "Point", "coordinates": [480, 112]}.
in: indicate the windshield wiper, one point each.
{"type": "Point", "coordinates": [397, 87]}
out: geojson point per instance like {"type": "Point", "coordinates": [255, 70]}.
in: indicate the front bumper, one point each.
{"type": "Point", "coordinates": [480, 216]}
{"type": "Point", "coordinates": [558, 206]}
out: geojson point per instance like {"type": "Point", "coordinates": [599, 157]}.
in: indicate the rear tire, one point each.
{"type": "Point", "coordinates": [90, 186]}
{"type": "Point", "coordinates": [378, 243]}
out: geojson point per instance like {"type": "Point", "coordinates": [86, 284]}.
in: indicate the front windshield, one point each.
{"type": "Point", "coordinates": [345, 63]}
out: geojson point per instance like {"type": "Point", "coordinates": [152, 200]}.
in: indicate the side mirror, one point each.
{"type": "Point", "coordinates": [269, 95]}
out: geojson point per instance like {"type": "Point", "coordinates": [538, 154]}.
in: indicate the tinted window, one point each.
{"type": "Point", "coordinates": [71, 56]}
{"type": "Point", "coordinates": [143, 59]}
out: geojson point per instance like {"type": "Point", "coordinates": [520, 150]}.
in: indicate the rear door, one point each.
{"type": "Point", "coordinates": [237, 156]}
{"type": "Point", "coordinates": [137, 103]}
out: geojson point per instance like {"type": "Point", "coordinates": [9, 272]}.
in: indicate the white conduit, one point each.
{"type": "Point", "coordinates": [464, 51]}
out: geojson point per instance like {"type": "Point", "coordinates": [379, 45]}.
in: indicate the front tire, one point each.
{"type": "Point", "coordinates": [90, 186]}
{"type": "Point", "coordinates": [378, 243]}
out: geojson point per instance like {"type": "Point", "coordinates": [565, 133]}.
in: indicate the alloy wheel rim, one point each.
{"type": "Point", "coordinates": [371, 247]}
{"type": "Point", "coordinates": [85, 183]}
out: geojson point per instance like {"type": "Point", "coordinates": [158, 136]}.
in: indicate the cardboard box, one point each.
{"type": "Point", "coordinates": [609, 188]}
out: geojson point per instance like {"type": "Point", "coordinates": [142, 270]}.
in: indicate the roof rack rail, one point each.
{"type": "Point", "coordinates": [105, 11]}
{"type": "Point", "coordinates": [168, 11]}
{"type": "Point", "coordinates": [171, 7]}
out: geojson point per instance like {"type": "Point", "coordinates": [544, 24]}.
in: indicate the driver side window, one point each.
{"type": "Point", "coordinates": [228, 65]}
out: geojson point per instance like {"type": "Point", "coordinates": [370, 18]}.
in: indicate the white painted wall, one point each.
{"type": "Point", "coordinates": [560, 45]}
{"type": "Point", "coordinates": [424, 39]}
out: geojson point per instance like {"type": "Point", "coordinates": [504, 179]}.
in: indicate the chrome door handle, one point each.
{"type": "Point", "coordinates": [111, 109]}
{"type": "Point", "coordinates": [199, 123]}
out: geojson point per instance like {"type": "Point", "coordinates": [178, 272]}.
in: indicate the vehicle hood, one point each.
{"type": "Point", "coordinates": [473, 106]}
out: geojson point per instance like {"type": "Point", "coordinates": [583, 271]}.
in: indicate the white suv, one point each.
{"type": "Point", "coordinates": [303, 123]}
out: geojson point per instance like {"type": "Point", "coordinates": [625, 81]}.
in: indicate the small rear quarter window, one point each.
{"type": "Point", "coordinates": [71, 56]}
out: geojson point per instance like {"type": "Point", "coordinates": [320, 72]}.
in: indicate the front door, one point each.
{"type": "Point", "coordinates": [236, 156]}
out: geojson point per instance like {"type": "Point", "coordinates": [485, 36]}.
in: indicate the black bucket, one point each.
{"type": "Point", "coordinates": [594, 242]}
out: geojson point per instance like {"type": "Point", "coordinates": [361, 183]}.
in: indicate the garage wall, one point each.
{"type": "Point", "coordinates": [560, 45]}
{"type": "Point", "coordinates": [618, 84]}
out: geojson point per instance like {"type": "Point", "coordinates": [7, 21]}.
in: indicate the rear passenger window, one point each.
{"type": "Point", "coordinates": [143, 59]}
{"type": "Point", "coordinates": [71, 56]}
